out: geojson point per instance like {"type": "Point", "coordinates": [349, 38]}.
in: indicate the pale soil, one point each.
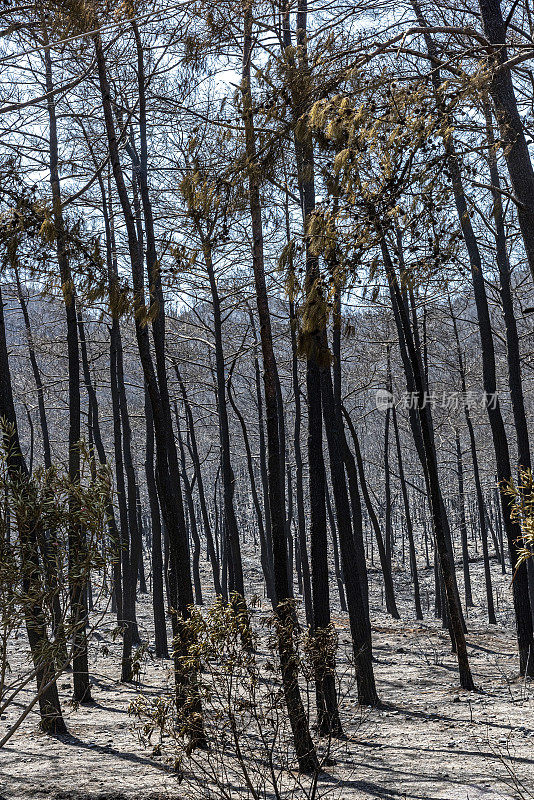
{"type": "Point", "coordinates": [428, 740]}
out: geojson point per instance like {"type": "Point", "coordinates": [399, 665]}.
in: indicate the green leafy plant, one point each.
{"type": "Point", "coordinates": [44, 500]}
{"type": "Point", "coordinates": [245, 716]}
{"type": "Point", "coordinates": [522, 499]}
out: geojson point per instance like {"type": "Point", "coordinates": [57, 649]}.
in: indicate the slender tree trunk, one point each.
{"type": "Point", "coordinates": [348, 458]}
{"type": "Point", "coordinates": [167, 459]}
{"type": "Point", "coordinates": [415, 377]}
{"type": "Point", "coordinates": [113, 532]}
{"type": "Point", "coordinates": [212, 554]}
{"type": "Point", "coordinates": [500, 441]}
{"type": "Point", "coordinates": [47, 455]}
{"type": "Point", "coordinates": [408, 518]}
{"type": "Point", "coordinates": [77, 545]}
{"type": "Point", "coordinates": [49, 539]}
{"type": "Point", "coordinates": [360, 625]}
{"type": "Point", "coordinates": [476, 474]}
{"type": "Point", "coordinates": [337, 565]}
{"type": "Point", "coordinates": [49, 705]}
{"type": "Point", "coordinates": [522, 605]}
{"type": "Point", "coordinates": [305, 750]}
{"type": "Point", "coordinates": [266, 562]}
{"type": "Point", "coordinates": [130, 544]}
{"type": "Point", "coordinates": [236, 585]}
{"type": "Point", "coordinates": [261, 445]}
{"type": "Point", "coordinates": [188, 490]}
{"type": "Point", "coordinates": [463, 526]}
{"type": "Point", "coordinates": [389, 590]}
{"type": "Point", "coordinates": [313, 344]}
{"type": "Point", "coordinates": [511, 128]}
{"type": "Point", "coordinates": [299, 468]}
{"type": "Point", "coordinates": [142, 542]}
{"type": "Point", "coordinates": [515, 380]}
{"type": "Point", "coordinates": [387, 476]}
{"type": "Point", "coordinates": [158, 602]}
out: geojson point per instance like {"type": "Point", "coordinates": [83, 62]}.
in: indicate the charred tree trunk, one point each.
{"type": "Point", "coordinates": [515, 380]}
{"type": "Point", "coordinates": [408, 518]}
{"type": "Point", "coordinates": [415, 377]}
{"type": "Point", "coordinates": [158, 602]}
{"type": "Point", "coordinates": [77, 544]}
{"type": "Point", "coordinates": [212, 554]}
{"type": "Point", "coordinates": [304, 747]}
{"type": "Point", "coordinates": [478, 485]}
{"type": "Point", "coordinates": [43, 661]}
{"type": "Point", "coordinates": [299, 469]}
{"type": "Point", "coordinates": [463, 525]}
{"type": "Point", "coordinates": [387, 476]}
{"type": "Point", "coordinates": [335, 545]}
{"type": "Point", "coordinates": [360, 625]}
{"type": "Point", "coordinates": [167, 459]}
{"type": "Point", "coordinates": [512, 131]}
{"type": "Point", "coordinates": [49, 539]}
{"type": "Point", "coordinates": [262, 449]}
{"type": "Point", "coordinates": [188, 489]}
{"type": "Point", "coordinates": [522, 605]}
{"type": "Point", "coordinates": [236, 582]}
{"type": "Point", "coordinates": [266, 562]}
{"type": "Point", "coordinates": [389, 590]}
{"type": "Point", "coordinates": [348, 458]}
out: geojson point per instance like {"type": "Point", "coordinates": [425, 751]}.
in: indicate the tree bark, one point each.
{"type": "Point", "coordinates": [478, 485]}
{"type": "Point", "coordinates": [188, 490]}
{"type": "Point", "coordinates": [167, 460]}
{"type": "Point", "coordinates": [77, 544]}
{"type": "Point", "coordinates": [212, 554]}
{"type": "Point", "coordinates": [266, 562]}
{"type": "Point", "coordinates": [158, 602]}
{"type": "Point", "coordinates": [408, 517]}
{"type": "Point", "coordinates": [283, 607]}
{"type": "Point", "coordinates": [389, 590]}
{"type": "Point", "coordinates": [522, 607]}
{"type": "Point", "coordinates": [415, 377]}
{"type": "Point", "coordinates": [514, 142]}
{"type": "Point", "coordinates": [43, 661]}
{"type": "Point", "coordinates": [463, 525]}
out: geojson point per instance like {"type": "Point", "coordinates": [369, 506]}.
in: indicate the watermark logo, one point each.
{"type": "Point", "coordinates": [384, 399]}
{"type": "Point", "coordinates": [449, 401]}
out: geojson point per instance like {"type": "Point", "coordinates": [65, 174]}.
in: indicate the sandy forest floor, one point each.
{"type": "Point", "coordinates": [427, 740]}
